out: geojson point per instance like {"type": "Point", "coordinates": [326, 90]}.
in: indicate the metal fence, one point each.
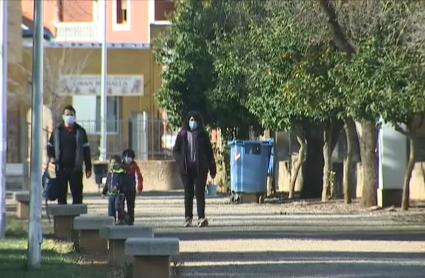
{"type": "Point", "coordinates": [149, 138]}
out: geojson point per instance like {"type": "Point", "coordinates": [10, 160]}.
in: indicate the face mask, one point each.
{"type": "Point", "coordinates": [68, 119]}
{"type": "Point", "coordinates": [128, 160]}
{"type": "Point", "coordinates": [193, 125]}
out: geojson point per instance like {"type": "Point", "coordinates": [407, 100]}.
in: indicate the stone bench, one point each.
{"type": "Point", "coordinates": [22, 199]}
{"type": "Point", "coordinates": [63, 219]}
{"type": "Point", "coordinates": [152, 256]}
{"type": "Point", "coordinates": [89, 241]}
{"type": "Point", "coordinates": [15, 176]}
{"type": "Point", "coordinates": [116, 236]}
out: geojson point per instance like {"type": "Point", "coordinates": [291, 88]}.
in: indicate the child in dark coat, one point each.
{"type": "Point", "coordinates": [115, 189]}
{"type": "Point", "coordinates": [134, 181]}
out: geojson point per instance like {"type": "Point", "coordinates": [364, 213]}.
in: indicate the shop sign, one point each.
{"type": "Point", "coordinates": [117, 85]}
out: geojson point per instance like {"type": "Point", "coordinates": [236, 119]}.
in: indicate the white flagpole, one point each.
{"type": "Point", "coordinates": [3, 114]}
{"type": "Point", "coordinates": [103, 83]}
{"type": "Point", "coordinates": [35, 234]}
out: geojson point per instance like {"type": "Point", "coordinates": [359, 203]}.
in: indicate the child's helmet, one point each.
{"type": "Point", "coordinates": [115, 158]}
{"type": "Point", "coordinates": [115, 161]}
{"type": "Point", "coordinates": [128, 153]}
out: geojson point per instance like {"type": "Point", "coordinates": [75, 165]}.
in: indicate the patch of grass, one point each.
{"type": "Point", "coordinates": [16, 228]}
{"type": "Point", "coordinates": [58, 260]}
{"type": "Point", "coordinates": [58, 257]}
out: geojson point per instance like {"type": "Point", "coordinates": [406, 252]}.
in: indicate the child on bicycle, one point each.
{"type": "Point", "coordinates": [115, 189]}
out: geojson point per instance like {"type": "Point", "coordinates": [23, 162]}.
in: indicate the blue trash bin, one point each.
{"type": "Point", "coordinates": [249, 164]}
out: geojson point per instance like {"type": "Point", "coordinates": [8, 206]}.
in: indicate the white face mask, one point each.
{"type": "Point", "coordinates": [128, 160]}
{"type": "Point", "coordinates": [68, 119]}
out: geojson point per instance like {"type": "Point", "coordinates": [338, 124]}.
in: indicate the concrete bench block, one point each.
{"type": "Point", "coordinates": [15, 176]}
{"type": "Point", "coordinates": [15, 169]}
{"type": "Point", "coordinates": [65, 210]}
{"type": "Point", "coordinates": [89, 240]}
{"type": "Point", "coordinates": [89, 222]}
{"type": "Point", "coordinates": [152, 256]}
{"type": "Point", "coordinates": [124, 232]}
{"type": "Point", "coordinates": [63, 219]}
{"type": "Point", "coordinates": [22, 196]}
{"type": "Point", "coordinates": [22, 199]}
{"type": "Point", "coordinates": [116, 236]}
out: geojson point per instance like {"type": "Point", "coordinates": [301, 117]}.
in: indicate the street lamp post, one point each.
{"type": "Point", "coordinates": [103, 83]}
{"type": "Point", "coordinates": [35, 235]}
{"type": "Point", "coordinates": [3, 114]}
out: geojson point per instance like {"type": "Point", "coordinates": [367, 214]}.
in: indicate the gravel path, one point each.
{"type": "Point", "coordinates": [291, 239]}
{"type": "Point", "coordinates": [304, 238]}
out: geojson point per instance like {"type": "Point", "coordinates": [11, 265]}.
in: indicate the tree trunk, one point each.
{"type": "Point", "coordinates": [327, 158]}
{"type": "Point", "coordinates": [300, 161]}
{"type": "Point", "coordinates": [350, 133]}
{"type": "Point", "coordinates": [367, 151]}
{"type": "Point", "coordinates": [409, 170]}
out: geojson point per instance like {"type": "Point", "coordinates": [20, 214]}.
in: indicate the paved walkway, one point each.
{"type": "Point", "coordinates": [251, 240]}
{"type": "Point", "coordinates": [309, 239]}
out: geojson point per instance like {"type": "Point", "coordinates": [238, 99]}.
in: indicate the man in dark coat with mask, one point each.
{"type": "Point", "coordinates": [68, 148]}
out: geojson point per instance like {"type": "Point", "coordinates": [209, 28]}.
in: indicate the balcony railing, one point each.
{"type": "Point", "coordinates": [77, 32]}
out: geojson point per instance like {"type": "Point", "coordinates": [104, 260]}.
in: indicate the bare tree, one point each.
{"type": "Point", "coordinates": [70, 61]}
{"type": "Point", "coordinates": [19, 86]}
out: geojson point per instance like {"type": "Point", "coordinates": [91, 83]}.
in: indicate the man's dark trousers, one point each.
{"type": "Point", "coordinates": [75, 180]}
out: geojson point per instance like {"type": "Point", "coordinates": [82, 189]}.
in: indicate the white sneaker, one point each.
{"type": "Point", "coordinates": [187, 222]}
{"type": "Point", "coordinates": [202, 222]}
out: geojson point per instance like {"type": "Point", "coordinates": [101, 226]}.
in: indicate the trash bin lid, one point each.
{"type": "Point", "coordinates": [250, 142]}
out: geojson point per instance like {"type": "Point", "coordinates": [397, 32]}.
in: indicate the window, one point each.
{"type": "Point", "coordinates": [121, 11]}
{"type": "Point", "coordinates": [121, 15]}
{"type": "Point", "coordinates": [163, 9]}
{"type": "Point", "coordinates": [112, 114]}
{"type": "Point", "coordinates": [60, 10]}
{"type": "Point", "coordinates": [88, 113]}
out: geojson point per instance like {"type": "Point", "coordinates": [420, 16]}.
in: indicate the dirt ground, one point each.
{"type": "Point", "coordinates": [281, 238]}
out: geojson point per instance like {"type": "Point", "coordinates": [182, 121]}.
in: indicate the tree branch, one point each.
{"type": "Point", "coordinates": [401, 130]}
{"type": "Point", "coordinates": [340, 37]}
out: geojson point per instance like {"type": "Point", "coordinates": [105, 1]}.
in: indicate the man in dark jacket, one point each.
{"type": "Point", "coordinates": [194, 155]}
{"type": "Point", "coordinates": [68, 148]}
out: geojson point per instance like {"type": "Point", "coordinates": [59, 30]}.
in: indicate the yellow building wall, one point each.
{"type": "Point", "coordinates": [82, 61]}
{"type": "Point", "coordinates": [14, 34]}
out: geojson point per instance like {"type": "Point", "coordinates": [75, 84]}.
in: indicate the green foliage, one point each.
{"type": "Point", "coordinates": [230, 52]}
{"type": "Point", "coordinates": [289, 73]}
{"type": "Point", "coordinates": [273, 64]}
{"type": "Point", "coordinates": [385, 76]}
{"type": "Point", "coordinates": [362, 80]}
{"type": "Point", "coordinates": [192, 75]}
{"type": "Point", "coordinates": [405, 95]}
{"type": "Point", "coordinates": [188, 65]}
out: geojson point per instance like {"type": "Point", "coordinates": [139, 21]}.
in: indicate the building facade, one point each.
{"type": "Point", "coordinates": [72, 71]}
